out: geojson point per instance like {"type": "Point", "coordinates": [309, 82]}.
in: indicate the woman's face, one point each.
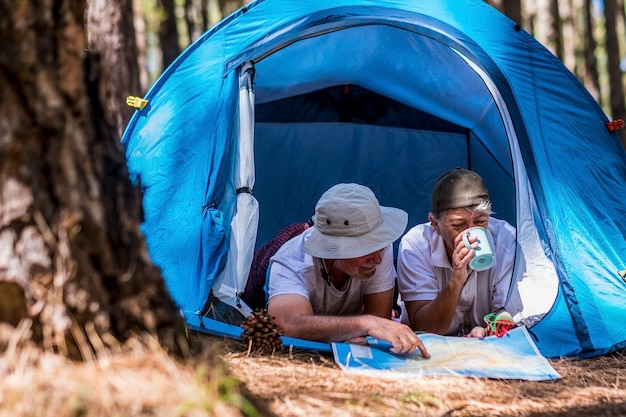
{"type": "Point", "coordinates": [455, 221]}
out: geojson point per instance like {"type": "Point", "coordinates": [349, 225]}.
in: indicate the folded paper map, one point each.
{"type": "Point", "coordinates": [513, 356]}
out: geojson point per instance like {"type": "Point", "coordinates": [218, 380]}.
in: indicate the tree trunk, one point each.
{"type": "Point", "coordinates": [616, 86]}
{"type": "Point", "coordinates": [229, 6]}
{"type": "Point", "coordinates": [140, 28]}
{"type": "Point", "coordinates": [544, 22]}
{"type": "Point", "coordinates": [511, 8]}
{"type": "Point", "coordinates": [111, 36]}
{"type": "Point", "coordinates": [568, 34]}
{"type": "Point", "coordinates": [204, 10]}
{"type": "Point", "coordinates": [190, 20]}
{"type": "Point", "coordinates": [592, 77]}
{"type": "Point", "coordinates": [168, 33]}
{"type": "Point", "coordinates": [73, 262]}
{"type": "Point", "coordinates": [530, 19]}
{"type": "Point", "coordinates": [555, 37]}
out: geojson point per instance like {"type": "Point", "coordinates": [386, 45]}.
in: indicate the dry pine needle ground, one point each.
{"type": "Point", "coordinates": [310, 384]}
{"type": "Point", "coordinates": [146, 382]}
{"type": "Point", "coordinates": [138, 380]}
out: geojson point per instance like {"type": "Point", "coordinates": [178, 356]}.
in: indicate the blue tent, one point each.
{"type": "Point", "coordinates": [284, 98]}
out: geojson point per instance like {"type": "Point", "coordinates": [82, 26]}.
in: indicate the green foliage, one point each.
{"type": "Point", "coordinates": [420, 399]}
{"type": "Point", "coordinates": [218, 388]}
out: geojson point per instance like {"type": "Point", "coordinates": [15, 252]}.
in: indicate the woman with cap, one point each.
{"type": "Point", "coordinates": [335, 281]}
{"type": "Point", "coordinates": [441, 292]}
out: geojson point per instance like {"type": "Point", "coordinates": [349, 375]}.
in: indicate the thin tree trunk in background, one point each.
{"type": "Point", "coordinates": [543, 27]}
{"type": "Point", "coordinates": [592, 77]}
{"type": "Point", "coordinates": [569, 40]}
{"type": "Point", "coordinates": [74, 268]}
{"type": "Point", "coordinates": [555, 36]}
{"type": "Point", "coordinates": [229, 6]}
{"type": "Point", "coordinates": [511, 8]}
{"type": "Point", "coordinates": [616, 86]}
{"type": "Point", "coordinates": [622, 7]}
{"type": "Point", "coordinates": [578, 37]}
{"type": "Point", "coordinates": [204, 9]}
{"type": "Point", "coordinates": [224, 9]}
{"type": "Point", "coordinates": [621, 12]}
{"type": "Point", "coordinates": [190, 19]}
{"type": "Point", "coordinates": [621, 35]}
{"type": "Point", "coordinates": [142, 48]}
{"type": "Point", "coordinates": [168, 33]}
{"type": "Point", "coordinates": [530, 19]}
{"type": "Point", "coordinates": [111, 37]}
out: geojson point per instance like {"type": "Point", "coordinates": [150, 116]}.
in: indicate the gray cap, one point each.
{"type": "Point", "coordinates": [458, 188]}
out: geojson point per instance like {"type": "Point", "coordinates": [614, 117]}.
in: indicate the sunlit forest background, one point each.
{"type": "Point", "coordinates": [588, 36]}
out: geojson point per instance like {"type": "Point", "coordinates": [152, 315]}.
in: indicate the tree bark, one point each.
{"type": "Point", "coordinates": [616, 84]}
{"type": "Point", "coordinates": [168, 33]}
{"type": "Point", "coordinates": [543, 19]}
{"type": "Point", "coordinates": [567, 16]}
{"type": "Point", "coordinates": [190, 20]}
{"type": "Point", "coordinates": [73, 262]}
{"type": "Point", "coordinates": [555, 36]}
{"type": "Point", "coordinates": [140, 28]}
{"type": "Point", "coordinates": [229, 6]}
{"type": "Point", "coordinates": [511, 8]}
{"type": "Point", "coordinates": [592, 77]}
{"type": "Point", "coordinates": [204, 10]}
{"type": "Point", "coordinates": [111, 36]}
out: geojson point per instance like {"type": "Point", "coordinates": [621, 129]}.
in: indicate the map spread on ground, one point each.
{"type": "Point", "coordinates": [513, 356]}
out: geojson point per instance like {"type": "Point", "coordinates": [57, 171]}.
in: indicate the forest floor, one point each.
{"type": "Point", "coordinates": [311, 384]}
{"type": "Point", "coordinates": [146, 382]}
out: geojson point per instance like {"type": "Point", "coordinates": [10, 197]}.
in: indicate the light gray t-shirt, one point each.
{"type": "Point", "coordinates": [424, 270]}
{"type": "Point", "coordinates": [292, 271]}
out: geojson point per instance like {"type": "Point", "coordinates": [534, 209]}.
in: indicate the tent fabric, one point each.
{"type": "Point", "coordinates": [285, 98]}
{"type": "Point", "coordinates": [243, 228]}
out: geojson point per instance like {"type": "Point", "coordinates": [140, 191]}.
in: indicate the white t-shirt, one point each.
{"type": "Point", "coordinates": [424, 270]}
{"type": "Point", "coordinates": [292, 271]}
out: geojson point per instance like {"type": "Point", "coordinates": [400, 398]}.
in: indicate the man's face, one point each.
{"type": "Point", "coordinates": [363, 267]}
{"type": "Point", "coordinates": [455, 221]}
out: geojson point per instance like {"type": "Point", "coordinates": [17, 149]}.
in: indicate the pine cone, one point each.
{"type": "Point", "coordinates": [261, 333]}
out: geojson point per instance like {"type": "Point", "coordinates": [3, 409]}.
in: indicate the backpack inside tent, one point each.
{"type": "Point", "coordinates": [242, 134]}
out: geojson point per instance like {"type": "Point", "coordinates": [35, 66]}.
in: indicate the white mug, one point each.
{"type": "Point", "coordinates": [483, 254]}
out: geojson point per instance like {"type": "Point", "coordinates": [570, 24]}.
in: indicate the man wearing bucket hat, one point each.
{"type": "Point", "coordinates": [335, 281]}
{"type": "Point", "coordinates": [443, 287]}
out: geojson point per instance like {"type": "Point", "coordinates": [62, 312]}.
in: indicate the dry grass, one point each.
{"type": "Point", "coordinates": [144, 381]}
{"type": "Point", "coordinates": [138, 380]}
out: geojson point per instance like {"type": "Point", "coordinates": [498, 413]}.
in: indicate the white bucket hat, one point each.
{"type": "Point", "coordinates": [350, 223]}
